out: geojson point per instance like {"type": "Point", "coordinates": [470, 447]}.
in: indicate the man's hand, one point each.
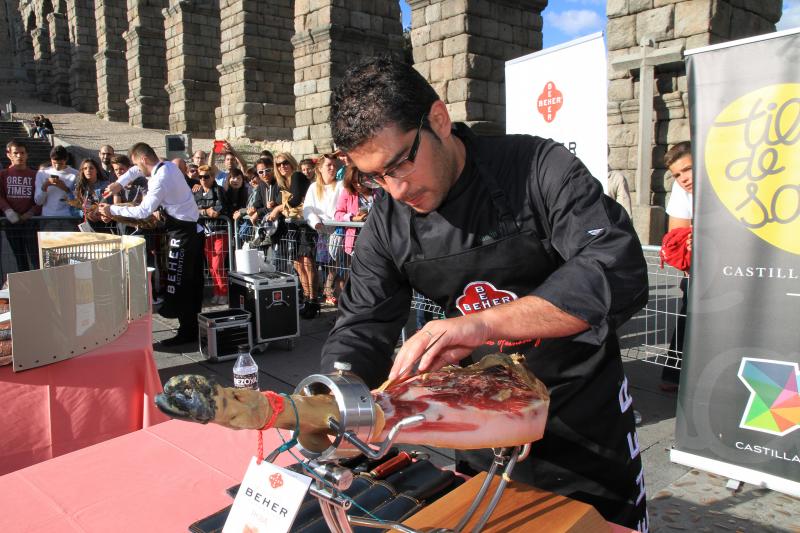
{"type": "Point", "coordinates": [12, 215]}
{"type": "Point", "coordinates": [254, 218]}
{"type": "Point", "coordinates": [274, 213]}
{"type": "Point", "coordinates": [237, 214]}
{"type": "Point", "coordinates": [196, 187]}
{"type": "Point", "coordinates": [26, 215]}
{"type": "Point", "coordinates": [251, 210]}
{"type": "Point", "coordinates": [105, 211]}
{"type": "Point", "coordinates": [112, 189]}
{"type": "Point", "coordinates": [93, 216]}
{"type": "Point", "coordinates": [459, 337]}
{"type": "Point", "coordinates": [360, 217]}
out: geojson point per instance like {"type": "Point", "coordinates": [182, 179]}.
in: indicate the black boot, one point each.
{"type": "Point", "coordinates": [310, 309]}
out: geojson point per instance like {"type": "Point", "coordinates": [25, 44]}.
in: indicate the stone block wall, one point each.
{"type": "Point", "coordinates": [83, 43]}
{"type": "Point", "coordinates": [60, 59]}
{"type": "Point", "coordinates": [193, 53]}
{"type": "Point", "coordinates": [255, 70]}
{"type": "Point", "coordinates": [671, 23]}
{"type": "Point", "coordinates": [112, 67]}
{"type": "Point", "coordinates": [461, 46]}
{"type": "Point", "coordinates": [329, 36]}
{"type": "Point", "coordinates": [41, 58]}
{"type": "Point", "coordinates": [148, 103]}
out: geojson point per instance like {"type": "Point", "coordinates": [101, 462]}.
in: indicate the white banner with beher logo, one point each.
{"type": "Point", "coordinates": [561, 93]}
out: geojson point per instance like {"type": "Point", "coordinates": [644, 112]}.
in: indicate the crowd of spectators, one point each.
{"type": "Point", "coordinates": [278, 204]}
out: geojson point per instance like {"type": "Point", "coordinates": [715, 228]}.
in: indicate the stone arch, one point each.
{"type": "Point", "coordinates": [45, 8]}
{"type": "Point", "coordinates": [30, 24]}
{"type": "Point", "coordinates": [461, 46]}
{"type": "Point", "coordinates": [329, 36]}
{"type": "Point", "coordinates": [193, 83]}
{"type": "Point", "coordinates": [41, 49]}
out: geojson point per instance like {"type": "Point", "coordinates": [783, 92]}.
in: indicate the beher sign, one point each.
{"type": "Point", "coordinates": [738, 407]}
{"type": "Point", "coordinates": [561, 93]}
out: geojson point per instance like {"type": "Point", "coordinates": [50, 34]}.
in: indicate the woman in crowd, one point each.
{"type": "Point", "coordinates": [235, 196]}
{"type": "Point", "coordinates": [320, 206]}
{"type": "Point", "coordinates": [210, 201]}
{"type": "Point", "coordinates": [354, 204]}
{"type": "Point", "coordinates": [89, 187]}
{"type": "Point", "coordinates": [300, 238]}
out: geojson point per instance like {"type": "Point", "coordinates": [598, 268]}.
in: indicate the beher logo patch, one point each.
{"type": "Point", "coordinates": [753, 163]}
{"type": "Point", "coordinates": [774, 404]}
{"type": "Point", "coordinates": [480, 295]}
{"type": "Point", "coordinates": [549, 102]}
{"type": "Point", "coordinates": [276, 481]}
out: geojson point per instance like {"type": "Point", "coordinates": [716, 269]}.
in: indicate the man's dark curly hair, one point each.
{"type": "Point", "coordinates": [375, 93]}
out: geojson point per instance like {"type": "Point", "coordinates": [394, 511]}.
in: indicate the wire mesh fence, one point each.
{"type": "Point", "coordinates": [655, 334]}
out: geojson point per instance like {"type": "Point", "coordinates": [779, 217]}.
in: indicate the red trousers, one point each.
{"type": "Point", "coordinates": [216, 250]}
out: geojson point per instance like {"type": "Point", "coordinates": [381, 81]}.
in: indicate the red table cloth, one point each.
{"type": "Point", "coordinates": [55, 409]}
{"type": "Point", "coordinates": [161, 478]}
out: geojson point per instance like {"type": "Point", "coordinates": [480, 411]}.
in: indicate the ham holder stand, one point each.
{"type": "Point", "coordinates": [357, 415]}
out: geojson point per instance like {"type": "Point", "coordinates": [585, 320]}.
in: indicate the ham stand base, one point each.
{"type": "Point", "coordinates": [522, 508]}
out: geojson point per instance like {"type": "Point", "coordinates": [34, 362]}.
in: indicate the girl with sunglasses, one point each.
{"type": "Point", "coordinates": [300, 239]}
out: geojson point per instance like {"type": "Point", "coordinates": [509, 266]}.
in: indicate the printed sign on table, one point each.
{"type": "Point", "coordinates": [561, 93]}
{"type": "Point", "coordinates": [267, 501]}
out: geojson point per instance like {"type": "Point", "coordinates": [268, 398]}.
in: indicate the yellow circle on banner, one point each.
{"type": "Point", "coordinates": [752, 159]}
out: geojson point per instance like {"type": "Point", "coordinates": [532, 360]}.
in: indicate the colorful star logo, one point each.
{"type": "Point", "coordinates": [774, 404]}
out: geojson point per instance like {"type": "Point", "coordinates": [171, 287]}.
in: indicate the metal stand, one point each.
{"type": "Point", "coordinates": [351, 435]}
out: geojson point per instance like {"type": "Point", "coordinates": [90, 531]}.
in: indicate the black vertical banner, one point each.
{"type": "Point", "coordinates": [738, 406]}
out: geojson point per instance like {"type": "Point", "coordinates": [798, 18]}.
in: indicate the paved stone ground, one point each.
{"type": "Point", "coordinates": [679, 499]}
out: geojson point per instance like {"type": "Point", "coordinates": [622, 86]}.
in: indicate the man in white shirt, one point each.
{"type": "Point", "coordinates": [679, 208]}
{"type": "Point", "coordinates": [53, 188]}
{"type": "Point", "coordinates": [167, 188]}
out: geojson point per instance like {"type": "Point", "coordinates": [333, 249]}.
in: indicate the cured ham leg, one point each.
{"type": "Point", "coordinates": [494, 403]}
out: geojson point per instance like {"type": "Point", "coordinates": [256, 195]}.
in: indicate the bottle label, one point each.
{"type": "Point", "coordinates": [246, 381]}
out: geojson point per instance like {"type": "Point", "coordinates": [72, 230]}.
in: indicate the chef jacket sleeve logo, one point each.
{"type": "Point", "coordinates": [774, 403]}
{"type": "Point", "coordinates": [753, 163]}
{"type": "Point", "coordinates": [480, 295]}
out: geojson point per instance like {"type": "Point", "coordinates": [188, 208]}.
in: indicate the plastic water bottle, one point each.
{"type": "Point", "coordinates": [245, 371]}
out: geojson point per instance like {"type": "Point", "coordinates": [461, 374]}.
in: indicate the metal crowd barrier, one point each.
{"type": "Point", "coordinates": [653, 335]}
{"type": "Point", "coordinates": [645, 337]}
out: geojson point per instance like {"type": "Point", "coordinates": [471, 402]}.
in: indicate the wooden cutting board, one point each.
{"type": "Point", "coordinates": [522, 508]}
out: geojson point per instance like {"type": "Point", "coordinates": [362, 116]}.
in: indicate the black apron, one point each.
{"type": "Point", "coordinates": [589, 450]}
{"type": "Point", "coordinates": [183, 294]}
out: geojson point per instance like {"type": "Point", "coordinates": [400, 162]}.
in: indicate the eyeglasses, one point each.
{"type": "Point", "coordinates": [283, 164]}
{"type": "Point", "coordinates": [404, 167]}
{"type": "Point", "coordinates": [267, 170]}
{"type": "Point", "coordinates": [204, 176]}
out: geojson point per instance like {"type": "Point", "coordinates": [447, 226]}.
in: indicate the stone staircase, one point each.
{"type": "Point", "coordinates": [38, 149]}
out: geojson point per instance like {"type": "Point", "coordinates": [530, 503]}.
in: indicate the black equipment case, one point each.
{"type": "Point", "coordinates": [222, 332]}
{"type": "Point", "coordinates": [271, 298]}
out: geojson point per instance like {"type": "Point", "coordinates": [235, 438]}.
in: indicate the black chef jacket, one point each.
{"type": "Point", "coordinates": [601, 275]}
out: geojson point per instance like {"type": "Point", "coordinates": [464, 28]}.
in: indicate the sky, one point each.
{"type": "Point", "coordinates": [565, 20]}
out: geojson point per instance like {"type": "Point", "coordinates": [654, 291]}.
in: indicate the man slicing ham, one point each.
{"type": "Point", "coordinates": [516, 241]}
